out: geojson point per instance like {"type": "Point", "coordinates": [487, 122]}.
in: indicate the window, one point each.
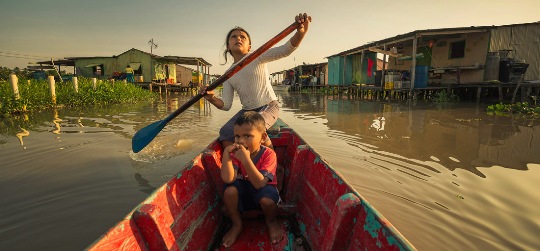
{"type": "Point", "coordinates": [98, 70]}
{"type": "Point", "coordinates": [138, 71]}
{"type": "Point", "coordinates": [457, 49]}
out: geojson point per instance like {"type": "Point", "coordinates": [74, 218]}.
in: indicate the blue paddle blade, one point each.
{"type": "Point", "coordinates": [144, 136]}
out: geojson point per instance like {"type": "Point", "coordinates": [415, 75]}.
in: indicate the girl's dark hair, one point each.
{"type": "Point", "coordinates": [252, 118]}
{"type": "Point", "coordinates": [237, 28]}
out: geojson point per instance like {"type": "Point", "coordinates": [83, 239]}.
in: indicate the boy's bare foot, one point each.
{"type": "Point", "coordinates": [231, 235]}
{"type": "Point", "coordinates": [276, 234]}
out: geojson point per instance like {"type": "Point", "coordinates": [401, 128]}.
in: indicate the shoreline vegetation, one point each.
{"type": "Point", "coordinates": [523, 108]}
{"type": "Point", "coordinates": [35, 95]}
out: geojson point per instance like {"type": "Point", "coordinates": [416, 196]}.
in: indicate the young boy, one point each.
{"type": "Point", "coordinates": [249, 172]}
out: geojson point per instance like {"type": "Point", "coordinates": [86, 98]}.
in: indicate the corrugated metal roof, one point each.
{"type": "Point", "coordinates": [186, 60]}
{"type": "Point", "coordinates": [92, 65]}
{"type": "Point", "coordinates": [70, 61]}
{"type": "Point", "coordinates": [62, 62]}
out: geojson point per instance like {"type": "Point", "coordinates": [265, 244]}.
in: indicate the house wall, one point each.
{"type": "Point", "coordinates": [353, 73]}
{"type": "Point", "coordinates": [135, 56]}
{"type": "Point", "coordinates": [183, 75]}
{"type": "Point", "coordinates": [151, 69]}
{"type": "Point", "coordinates": [348, 74]}
{"type": "Point", "coordinates": [164, 71]}
{"type": "Point", "coordinates": [476, 48]}
{"type": "Point", "coordinates": [524, 39]}
{"type": "Point", "coordinates": [324, 78]}
{"type": "Point", "coordinates": [360, 76]}
{"type": "Point", "coordinates": [109, 65]}
{"type": "Point", "coordinates": [335, 64]}
{"type": "Point", "coordinates": [380, 64]}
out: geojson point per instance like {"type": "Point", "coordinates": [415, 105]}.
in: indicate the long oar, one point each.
{"type": "Point", "coordinates": [144, 136]}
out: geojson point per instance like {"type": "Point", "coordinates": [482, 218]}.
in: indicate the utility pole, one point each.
{"type": "Point", "coordinates": [152, 45]}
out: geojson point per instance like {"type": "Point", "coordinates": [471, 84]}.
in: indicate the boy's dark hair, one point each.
{"type": "Point", "coordinates": [253, 119]}
{"type": "Point", "coordinates": [237, 28]}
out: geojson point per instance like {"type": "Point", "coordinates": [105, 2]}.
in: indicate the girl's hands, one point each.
{"type": "Point", "coordinates": [208, 95]}
{"type": "Point", "coordinates": [304, 20]}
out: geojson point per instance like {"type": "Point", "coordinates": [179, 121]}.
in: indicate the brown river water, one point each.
{"type": "Point", "coordinates": [448, 177]}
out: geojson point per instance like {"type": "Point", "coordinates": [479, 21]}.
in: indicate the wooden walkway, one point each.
{"type": "Point", "coordinates": [165, 87]}
{"type": "Point", "coordinates": [468, 91]}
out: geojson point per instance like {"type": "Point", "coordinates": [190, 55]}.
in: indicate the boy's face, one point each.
{"type": "Point", "coordinates": [248, 136]}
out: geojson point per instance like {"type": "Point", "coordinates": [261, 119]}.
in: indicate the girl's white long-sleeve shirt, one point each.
{"type": "Point", "coordinates": [252, 83]}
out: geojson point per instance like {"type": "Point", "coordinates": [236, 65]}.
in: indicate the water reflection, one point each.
{"type": "Point", "coordinates": [145, 184]}
{"type": "Point", "coordinates": [378, 123]}
{"type": "Point", "coordinates": [21, 134]}
{"type": "Point", "coordinates": [424, 171]}
{"type": "Point", "coordinates": [123, 120]}
{"type": "Point", "coordinates": [79, 123]}
{"type": "Point", "coordinates": [56, 121]}
{"type": "Point", "coordinates": [456, 138]}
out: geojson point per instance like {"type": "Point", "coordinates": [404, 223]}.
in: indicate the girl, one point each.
{"type": "Point", "coordinates": [252, 82]}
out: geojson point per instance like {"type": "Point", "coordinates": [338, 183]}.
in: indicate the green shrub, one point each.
{"type": "Point", "coordinates": [519, 108]}
{"type": "Point", "coordinates": [444, 97]}
{"type": "Point", "coordinates": [35, 95]}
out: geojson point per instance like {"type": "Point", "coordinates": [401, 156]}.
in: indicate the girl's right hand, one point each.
{"type": "Point", "coordinates": [304, 20]}
{"type": "Point", "coordinates": [208, 95]}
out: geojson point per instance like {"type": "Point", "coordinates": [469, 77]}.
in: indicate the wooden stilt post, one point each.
{"type": "Point", "coordinates": [413, 64]}
{"type": "Point", "coordinates": [52, 87]}
{"type": "Point", "coordinates": [478, 94]}
{"type": "Point", "coordinates": [75, 84]}
{"type": "Point", "coordinates": [14, 85]}
{"type": "Point", "coordinates": [383, 71]}
{"type": "Point", "coordinates": [94, 83]}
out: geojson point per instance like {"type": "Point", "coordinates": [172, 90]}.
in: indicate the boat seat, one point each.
{"type": "Point", "coordinates": [284, 209]}
{"type": "Point", "coordinates": [125, 236]}
{"type": "Point", "coordinates": [180, 209]}
{"type": "Point", "coordinates": [342, 222]}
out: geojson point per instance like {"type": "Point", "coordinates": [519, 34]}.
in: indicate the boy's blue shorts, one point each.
{"type": "Point", "coordinates": [249, 196]}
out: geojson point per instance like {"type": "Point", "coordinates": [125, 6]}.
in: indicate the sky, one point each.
{"type": "Point", "coordinates": [37, 30]}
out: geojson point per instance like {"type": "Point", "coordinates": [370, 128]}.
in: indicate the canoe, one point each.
{"type": "Point", "coordinates": [281, 88]}
{"type": "Point", "coordinates": [320, 210]}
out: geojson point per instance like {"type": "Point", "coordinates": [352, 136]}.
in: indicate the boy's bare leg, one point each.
{"type": "Point", "coordinates": [269, 209]}
{"type": "Point", "coordinates": [230, 197]}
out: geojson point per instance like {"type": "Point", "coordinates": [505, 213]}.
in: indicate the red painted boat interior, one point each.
{"type": "Point", "coordinates": [320, 211]}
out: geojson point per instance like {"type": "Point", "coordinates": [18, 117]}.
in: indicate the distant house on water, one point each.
{"type": "Point", "coordinates": [148, 67]}
{"type": "Point", "coordinates": [465, 55]}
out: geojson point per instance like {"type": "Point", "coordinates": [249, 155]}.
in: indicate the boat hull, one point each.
{"type": "Point", "coordinates": [320, 210]}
